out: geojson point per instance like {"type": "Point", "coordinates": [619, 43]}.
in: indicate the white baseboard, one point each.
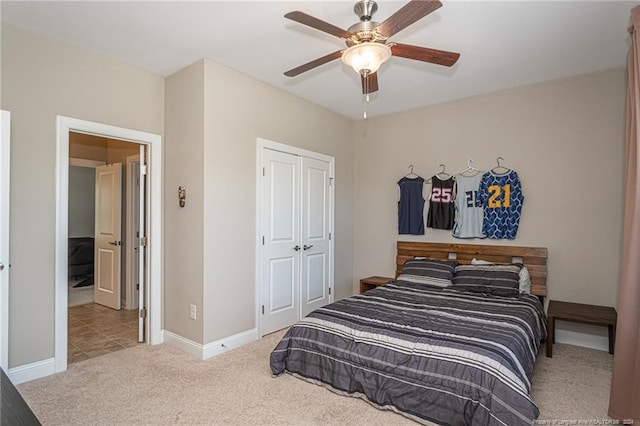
{"type": "Point", "coordinates": [210, 349]}
{"type": "Point", "coordinates": [228, 343]}
{"type": "Point", "coordinates": [583, 340]}
{"type": "Point", "coordinates": [182, 343]}
{"type": "Point", "coordinates": [35, 370]}
{"type": "Point", "coordinates": [47, 367]}
{"type": "Point", "coordinates": [584, 335]}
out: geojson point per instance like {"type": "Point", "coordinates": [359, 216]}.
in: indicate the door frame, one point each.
{"type": "Point", "coordinates": [261, 145]}
{"type": "Point", "coordinates": [154, 226]}
{"type": "Point", "coordinates": [5, 153]}
{"type": "Point", "coordinates": [131, 197]}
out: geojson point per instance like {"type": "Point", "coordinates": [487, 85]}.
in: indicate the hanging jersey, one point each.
{"type": "Point", "coordinates": [501, 198]}
{"type": "Point", "coordinates": [411, 206]}
{"type": "Point", "coordinates": [468, 212]}
{"type": "Point", "coordinates": [441, 209]}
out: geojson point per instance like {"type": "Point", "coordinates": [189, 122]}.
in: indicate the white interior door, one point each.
{"type": "Point", "coordinates": [316, 226]}
{"type": "Point", "coordinates": [142, 243]}
{"type": "Point", "coordinates": [280, 260]}
{"type": "Point", "coordinates": [132, 239]}
{"type": "Point", "coordinates": [108, 238]}
{"type": "Point", "coordinates": [5, 120]}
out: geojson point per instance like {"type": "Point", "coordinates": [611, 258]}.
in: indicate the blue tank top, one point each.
{"type": "Point", "coordinates": [411, 206]}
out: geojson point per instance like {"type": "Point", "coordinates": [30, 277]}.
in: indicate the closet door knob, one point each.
{"type": "Point", "coordinates": [306, 247]}
{"type": "Point", "coordinates": [297, 248]}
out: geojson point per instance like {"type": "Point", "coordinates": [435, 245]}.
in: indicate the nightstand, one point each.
{"type": "Point", "coordinates": [373, 282]}
{"type": "Point", "coordinates": [577, 312]}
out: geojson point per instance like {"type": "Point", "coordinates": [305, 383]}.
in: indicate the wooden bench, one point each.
{"type": "Point", "coordinates": [578, 312]}
{"type": "Point", "coordinates": [373, 282]}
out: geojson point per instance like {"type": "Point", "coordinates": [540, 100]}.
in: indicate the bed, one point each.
{"type": "Point", "coordinates": [80, 255]}
{"type": "Point", "coordinates": [436, 354]}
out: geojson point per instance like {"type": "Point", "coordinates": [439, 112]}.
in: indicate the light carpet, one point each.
{"type": "Point", "coordinates": [163, 385]}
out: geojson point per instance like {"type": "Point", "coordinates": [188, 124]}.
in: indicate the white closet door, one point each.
{"type": "Point", "coordinates": [280, 265]}
{"type": "Point", "coordinates": [315, 217]}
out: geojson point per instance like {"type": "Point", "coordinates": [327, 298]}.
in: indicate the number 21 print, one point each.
{"type": "Point", "coordinates": [494, 194]}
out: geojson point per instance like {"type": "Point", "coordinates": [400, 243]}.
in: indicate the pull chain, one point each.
{"type": "Point", "coordinates": [365, 100]}
{"type": "Point", "coordinates": [365, 95]}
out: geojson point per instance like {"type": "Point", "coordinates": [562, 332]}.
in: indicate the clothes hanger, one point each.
{"type": "Point", "coordinates": [500, 166]}
{"type": "Point", "coordinates": [470, 170]}
{"type": "Point", "coordinates": [411, 174]}
{"type": "Point", "coordinates": [442, 175]}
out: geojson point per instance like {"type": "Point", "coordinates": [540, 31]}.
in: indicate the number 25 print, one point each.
{"type": "Point", "coordinates": [441, 195]}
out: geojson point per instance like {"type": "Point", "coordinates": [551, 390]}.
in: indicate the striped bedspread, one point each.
{"type": "Point", "coordinates": [432, 354]}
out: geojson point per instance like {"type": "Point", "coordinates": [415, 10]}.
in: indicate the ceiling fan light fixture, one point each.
{"type": "Point", "coordinates": [366, 58]}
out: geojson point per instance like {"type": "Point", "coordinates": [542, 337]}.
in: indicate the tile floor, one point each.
{"type": "Point", "coordinates": [96, 330]}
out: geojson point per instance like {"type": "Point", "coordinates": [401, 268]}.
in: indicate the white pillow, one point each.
{"type": "Point", "coordinates": [524, 282]}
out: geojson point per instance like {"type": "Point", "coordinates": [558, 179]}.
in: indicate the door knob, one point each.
{"type": "Point", "coordinates": [306, 247]}
{"type": "Point", "coordinates": [297, 248]}
{"type": "Point", "coordinates": [115, 243]}
{"type": "Point", "coordinates": [1, 266]}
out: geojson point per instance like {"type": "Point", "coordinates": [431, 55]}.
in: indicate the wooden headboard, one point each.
{"type": "Point", "coordinates": [534, 258]}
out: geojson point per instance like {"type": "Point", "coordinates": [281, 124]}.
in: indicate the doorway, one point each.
{"type": "Point", "coordinates": [102, 317]}
{"type": "Point", "coordinates": [149, 312]}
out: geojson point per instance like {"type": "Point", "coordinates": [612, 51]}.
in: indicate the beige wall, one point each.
{"type": "Point", "coordinates": [183, 227]}
{"type": "Point", "coordinates": [82, 201]}
{"type": "Point", "coordinates": [41, 79]}
{"type": "Point", "coordinates": [565, 138]}
{"type": "Point", "coordinates": [118, 151]}
{"type": "Point", "coordinates": [210, 146]}
{"type": "Point", "coordinates": [90, 147]}
{"type": "Point", "coordinates": [238, 110]}
{"type": "Point", "coordinates": [87, 147]}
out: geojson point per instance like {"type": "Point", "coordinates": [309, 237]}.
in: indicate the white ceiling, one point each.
{"type": "Point", "coordinates": [503, 44]}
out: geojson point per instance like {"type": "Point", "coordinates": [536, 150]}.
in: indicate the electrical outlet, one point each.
{"type": "Point", "coordinates": [192, 312]}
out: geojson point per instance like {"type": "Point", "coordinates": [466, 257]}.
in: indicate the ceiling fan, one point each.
{"type": "Point", "coordinates": [367, 41]}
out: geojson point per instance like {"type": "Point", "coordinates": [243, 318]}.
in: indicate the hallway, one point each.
{"type": "Point", "coordinates": [96, 330]}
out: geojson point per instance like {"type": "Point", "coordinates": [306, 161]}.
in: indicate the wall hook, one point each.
{"type": "Point", "coordinates": [182, 195]}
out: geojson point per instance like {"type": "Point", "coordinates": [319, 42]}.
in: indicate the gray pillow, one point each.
{"type": "Point", "coordinates": [524, 280]}
{"type": "Point", "coordinates": [499, 280]}
{"type": "Point", "coordinates": [428, 271]}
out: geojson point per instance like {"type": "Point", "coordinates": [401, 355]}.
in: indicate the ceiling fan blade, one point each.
{"type": "Point", "coordinates": [425, 54]}
{"type": "Point", "coordinates": [370, 83]}
{"type": "Point", "coordinates": [318, 24]}
{"type": "Point", "coordinates": [407, 15]}
{"type": "Point", "coordinates": [315, 63]}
